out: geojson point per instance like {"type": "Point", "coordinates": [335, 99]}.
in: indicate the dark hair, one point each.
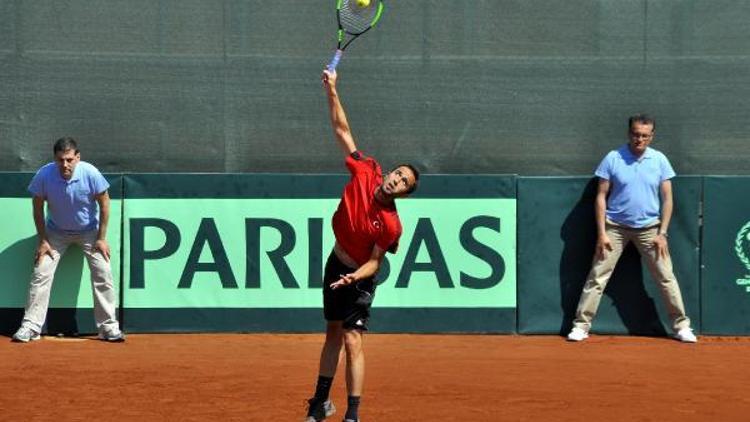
{"type": "Point", "coordinates": [416, 176]}
{"type": "Point", "coordinates": [65, 144]}
{"type": "Point", "coordinates": [643, 119]}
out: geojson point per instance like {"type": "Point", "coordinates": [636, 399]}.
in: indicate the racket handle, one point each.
{"type": "Point", "coordinates": [335, 60]}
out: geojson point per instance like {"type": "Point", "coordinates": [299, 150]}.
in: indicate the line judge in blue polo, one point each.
{"type": "Point", "coordinates": [77, 213]}
{"type": "Point", "coordinates": [632, 181]}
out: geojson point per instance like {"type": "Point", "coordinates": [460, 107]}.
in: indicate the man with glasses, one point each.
{"type": "Point", "coordinates": [632, 180]}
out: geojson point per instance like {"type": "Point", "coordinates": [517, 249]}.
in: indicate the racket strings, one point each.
{"type": "Point", "coordinates": [356, 19]}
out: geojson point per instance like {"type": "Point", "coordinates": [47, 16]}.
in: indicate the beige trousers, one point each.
{"type": "Point", "coordinates": [102, 284]}
{"type": "Point", "coordinates": [601, 271]}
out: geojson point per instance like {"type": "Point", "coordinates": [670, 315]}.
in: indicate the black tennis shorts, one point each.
{"type": "Point", "coordinates": [350, 304]}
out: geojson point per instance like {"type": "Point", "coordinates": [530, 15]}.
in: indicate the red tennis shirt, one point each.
{"type": "Point", "coordinates": [361, 222]}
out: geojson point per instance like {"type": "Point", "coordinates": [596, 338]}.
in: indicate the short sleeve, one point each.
{"type": "Point", "coordinates": [98, 182]}
{"type": "Point", "coordinates": [667, 172]}
{"type": "Point", "coordinates": [388, 240]}
{"type": "Point", "coordinates": [37, 186]}
{"type": "Point", "coordinates": [604, 170]}
{"type": "Point", "coordinates": [357, 163]}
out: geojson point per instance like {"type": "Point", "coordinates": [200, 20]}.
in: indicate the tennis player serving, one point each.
{"type": "Point", "coordinates": [366, 226]}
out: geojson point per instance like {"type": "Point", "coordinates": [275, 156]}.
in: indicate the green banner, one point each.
{"type": "Point", "coordinates": [246, 252]}
{"type": "Point", "coordinates": [270, 253]}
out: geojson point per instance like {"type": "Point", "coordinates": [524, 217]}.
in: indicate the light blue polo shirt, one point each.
{"type": "Point", "coordinates": [634, 197]}
{"type": "Point", "coordinates": [71, 204]}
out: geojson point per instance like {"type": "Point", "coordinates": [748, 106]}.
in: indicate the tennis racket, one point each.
{"type": "Point", "coordinates": [355, 17]}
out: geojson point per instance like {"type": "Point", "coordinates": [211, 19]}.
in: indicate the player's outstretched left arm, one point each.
{"type": "Point", "coordinates": [366, 270]}
{"type": "Point", "coordinates": [338, 116]}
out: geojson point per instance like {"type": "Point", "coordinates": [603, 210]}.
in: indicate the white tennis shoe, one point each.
{"type": "Point", "coordinates": [686, 335]}
{"type": "Point", "coordinates": [25, 335]}
{"type": "Point", "coordinates": [577, 334]}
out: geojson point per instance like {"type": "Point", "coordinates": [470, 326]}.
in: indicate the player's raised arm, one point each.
{"type": "Point", "coordinates": [338, 117]}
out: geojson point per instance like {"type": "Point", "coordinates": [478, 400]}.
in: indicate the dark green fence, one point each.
{"type": "Point", "coordinates": [726, 255]}
{"type": "Point", "coordinates": [532, 87]}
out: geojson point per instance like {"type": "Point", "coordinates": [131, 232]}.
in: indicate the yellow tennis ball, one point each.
{"type": "Point", "coordinates": [363, 3]}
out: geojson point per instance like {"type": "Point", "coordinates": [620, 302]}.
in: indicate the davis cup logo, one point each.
{"type": "Point", "coordinates": [742, 248]}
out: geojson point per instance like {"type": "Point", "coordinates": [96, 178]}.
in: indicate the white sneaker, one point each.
{"type": "Point", "coordinates": [686, 335]}
{"type": "Point", "coordinates": [111, 336]}
{"type": "Point", "coordinates": [577, 334]}
{"type": "Point", "coordinates": [25, 335]}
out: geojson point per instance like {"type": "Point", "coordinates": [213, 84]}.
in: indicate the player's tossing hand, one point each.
{"type": "Point", "coordinates": [345, 280]}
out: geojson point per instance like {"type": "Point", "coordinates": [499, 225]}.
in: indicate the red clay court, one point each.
{"type": "Point", "coordinates": [267, 377]}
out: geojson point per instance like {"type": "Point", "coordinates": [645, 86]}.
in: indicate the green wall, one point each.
{"type": "Point", "coordinates": [244, 252]}
{"type": "Point", "coordinates": [726, 255]}
{"type": "Point", "coordinates": [556, 239]}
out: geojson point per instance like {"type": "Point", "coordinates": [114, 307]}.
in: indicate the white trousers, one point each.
{"type": "Point", "coordinates": [105, 298]}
